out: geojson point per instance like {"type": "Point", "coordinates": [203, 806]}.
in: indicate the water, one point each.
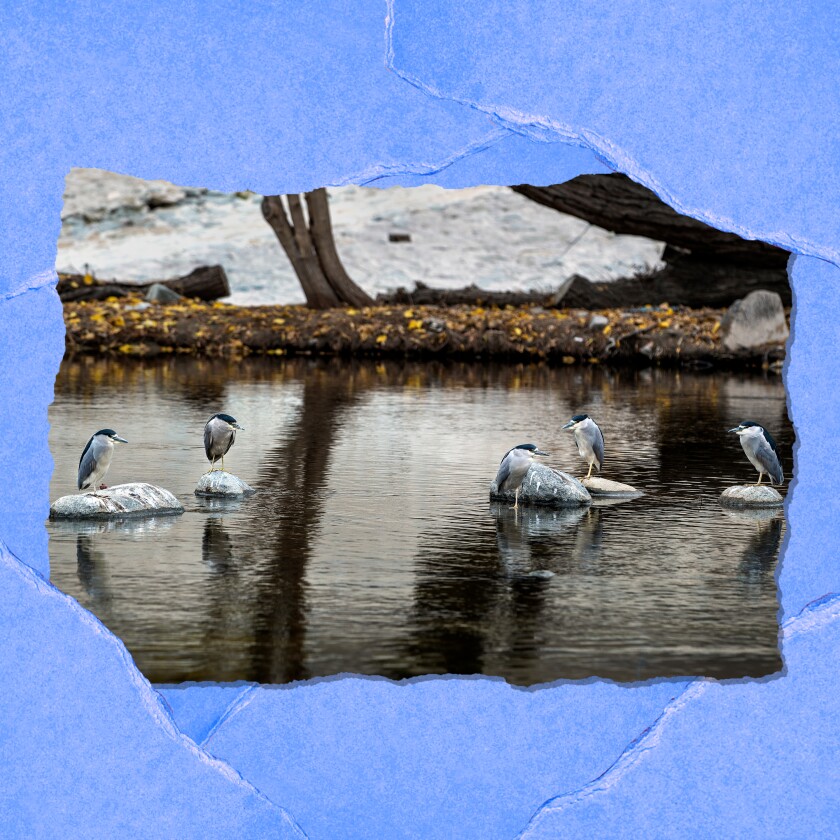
{"type": "Point", "coordinates": [371, 546]}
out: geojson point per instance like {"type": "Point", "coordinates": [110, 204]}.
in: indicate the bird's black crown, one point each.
{"type": "Point", "coordinates": [578, 417]}
{"type": "Point", "coordinates": [531, 447]}
{"type": "Point", "coordinates": [226, 417]}
{"type": "Point", "coordinates": [108, 432]}
{"type": "Point", "coordinates": [747, 423]}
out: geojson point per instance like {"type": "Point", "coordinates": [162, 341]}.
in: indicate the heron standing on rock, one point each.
{"type": "Point", "coordinates": [96, 458]}
{"type": "Point", "coordinates": [589, 440]}
{"type": "Point", "coordinates": [219, 435]}
{"type": "Point", "coordinates": [514, 467]}
{"type": "Point", "coordinates": [761, 449]}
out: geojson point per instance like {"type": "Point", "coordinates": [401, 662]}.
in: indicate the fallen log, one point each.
{"type": "Point", "coordinates": [617, 204]}
{"type": "Point", "coordinates": [207, 282]}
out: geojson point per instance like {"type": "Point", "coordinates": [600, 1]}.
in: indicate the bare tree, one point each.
{"type": "Point", "coordinates": [310, 247]}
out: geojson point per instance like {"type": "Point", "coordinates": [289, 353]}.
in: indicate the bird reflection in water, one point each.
{"type": "Point", "coordinates": [526, 538]}
{"type": "Point", "coordinates": [758, 559]}
{"type": "Point", "coordinates": [217, 546]}
{"type": "Point", "coordinates": [90, 565]}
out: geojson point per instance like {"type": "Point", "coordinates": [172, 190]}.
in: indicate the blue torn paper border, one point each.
{"type": "Point", "coordinates": [728, 110]}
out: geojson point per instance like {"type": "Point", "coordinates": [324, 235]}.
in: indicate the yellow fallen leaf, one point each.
{"type": "Point", "coordinates": [349, 312]}
{"type": "Point", "coordinates": [517, 331]}
{"type": "Point", "coordinates": [665, 324]}
{"type": "Point", "coordinates": [716, 327]}
{"type": "Point", "coordinates": [381, 339]}
{"type": "Point", "coordinates": [568, 360]}
{"type": "Point", "coordinates": [279, 321]}
{"type": "Point", "coordinates": [415, 325]}
{"type": "Point", "coordinates": [607, 330]}
{"type": "Point", "coordinates": [409, 313]}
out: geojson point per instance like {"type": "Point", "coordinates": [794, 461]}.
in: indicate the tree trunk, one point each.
{"type": "Point", "coordinates": [322, 236]}
{"type": "Point", "coordinates": [311, 250]}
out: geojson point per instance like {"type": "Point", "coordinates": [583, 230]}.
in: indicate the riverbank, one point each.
{"type": "Point", "coordinates": [662, 335]}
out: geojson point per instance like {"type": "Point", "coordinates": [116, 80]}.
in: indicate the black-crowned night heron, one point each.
{"type": "Point", "coordinates": [514, 467]}
{"type": "Point", "coordinates": [96, 458]}
{"type": "Point", "coordinates": [589, 440]}
{"type": "Point", "coordinates": [761, 449]}
{"type": "Point", "coordinates": [219, 435]}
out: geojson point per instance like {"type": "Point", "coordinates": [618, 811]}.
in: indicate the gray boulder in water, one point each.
{"type": "Point", "coordinates": [545, 486]}
{"type": "Point", "coordinates": [754, 321]}
{"type": "Point", "coordinates": [136, 499]}
{"type": "Point", "coordinates": [751, 496]}
{"type": "Point", "coordinates": [221, 483]}
{"type": "Point", "coordinates": [598, 486]}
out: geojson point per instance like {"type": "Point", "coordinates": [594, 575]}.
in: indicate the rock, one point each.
{"type": "Point", "coordinates": [598, 486]}
{"type": "Point", "coordinates": [754, 321]}
{"type": "Point", "coordinates": [545, 486]}
{"type": "Point", "coordinates": [598, 322]}
{"type": "Point", "coordinates": [136, 499]}
{"type": "Point", "coordinates": [161, 294]}
{"type": "Point", "coordinates": [221, 483]}
{"type": "Point", "coordinates": [751, 496]}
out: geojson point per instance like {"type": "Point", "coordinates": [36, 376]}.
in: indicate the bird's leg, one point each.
{"type": "Point", "coordinates": [212, 464]}
{"type": "Point", "coordinates": [223, 463]}
{"type": "Point", "coordinates": [589, 474]}
{"type": "Point", "coordinates": [760, 475]}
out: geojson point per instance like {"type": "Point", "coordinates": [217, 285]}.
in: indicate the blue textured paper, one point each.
{"type": "Point", "coordinates": [729, 110]}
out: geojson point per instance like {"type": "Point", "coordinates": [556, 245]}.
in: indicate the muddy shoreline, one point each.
{"type": "Point", "coordinates": [655, 335]}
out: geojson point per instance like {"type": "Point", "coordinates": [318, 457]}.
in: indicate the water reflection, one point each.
{"type": "Point", "coordinates": [525, 535]}
{"type": "Point", "coordinates": [369, 546]}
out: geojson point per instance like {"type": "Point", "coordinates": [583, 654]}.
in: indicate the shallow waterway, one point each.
{"type": "Point", "coordinates": [371, 547]}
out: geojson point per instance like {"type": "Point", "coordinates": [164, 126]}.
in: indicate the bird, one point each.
{"type": "Point", "coordinates": [761, 449]}
{"type": "Point", "coordinates": [96, 458]}
{"type": "Point", "coordinates": [514, 467]}
{"type": "Point", "coordinates": [589, 440]}
{"type": "Point", "coordinates": [219, 435]}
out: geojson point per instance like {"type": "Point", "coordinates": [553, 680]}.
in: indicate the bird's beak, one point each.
{"type": "Point", "coordinates": [118, 439]}
{"type": "Point", "coordinates": [568, 425]}
{"type": "Point", "coordinates": [736, 430]}
{"type": "Point", "coordinates": [237, 426]}
{"type": "Point", "coordinates": [540, 452]}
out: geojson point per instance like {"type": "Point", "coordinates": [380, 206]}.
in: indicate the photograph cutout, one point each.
{"type": "Point", "coordinates": [529, 432]}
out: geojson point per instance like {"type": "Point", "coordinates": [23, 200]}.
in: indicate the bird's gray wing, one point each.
{"type": "Point", "coordinates": [230, 442]}
{"type": "Point", "coordinates": [87, 464]}
{"type": "Point", "coordinates": [503, 473]}
{"type": "Point", "coordinates": [769, 459]}
{"type": "Point", "coordinates": [208, 441]}
{"type": "Point", "coordinates": [598, 446]}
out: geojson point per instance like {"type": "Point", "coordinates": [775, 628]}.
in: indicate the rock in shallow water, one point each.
{"type": "Point", "coordinates": [598, 486]}
{"type": "Point", "coordinates": [220, 483]}
{"type": "Point", "coordinates": [751, 496]}
{"type": "Point", "coordinates": [136, 499]}
{"type": "Point", "coordinates": [545, 486]}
